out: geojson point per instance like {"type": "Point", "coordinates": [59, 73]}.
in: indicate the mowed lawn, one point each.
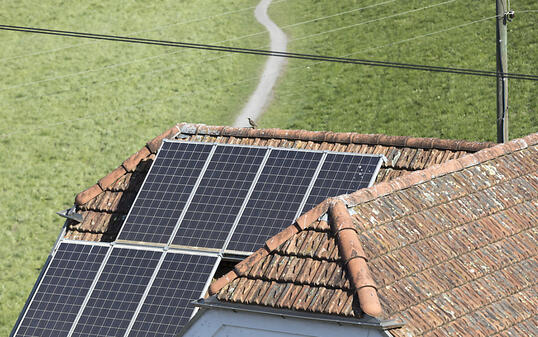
{"type": "Point", "coordinates": [343, 97]}
{"type": "Point", "coordinates": [72, 109]}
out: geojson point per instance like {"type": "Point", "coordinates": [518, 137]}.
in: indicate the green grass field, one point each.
{"type": "Point", "coordinates": [328, 96]}
{"type": "Point", "coordinates": [72, 109]}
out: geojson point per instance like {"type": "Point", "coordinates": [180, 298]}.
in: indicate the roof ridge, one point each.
{"type": "Point", "coordinates": [351, 253]}
{"type": "Point", "coordinates": [354, 259]}
{"type": "Point", "coordinates": [153, 145]}
{"type": "Point", "coordinates": [438, 170]}
{"type": "Point", "coordinates": [336, 137]}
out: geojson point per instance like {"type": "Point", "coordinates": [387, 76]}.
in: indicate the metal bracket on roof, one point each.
{"type": "Point", "coordinates": [71, 213]}
{"type": "Point", "coordinates": [384, 159]}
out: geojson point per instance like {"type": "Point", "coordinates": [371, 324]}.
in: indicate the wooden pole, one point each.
{"type": "Point", "coordinates": [502, 68]}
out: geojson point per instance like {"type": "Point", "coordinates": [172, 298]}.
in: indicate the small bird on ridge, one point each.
{"type": "Point", "coordinates": [252, 123]}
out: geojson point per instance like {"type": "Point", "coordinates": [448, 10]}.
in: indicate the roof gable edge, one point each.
{"type": "Point", "coordinates": [438, 170]}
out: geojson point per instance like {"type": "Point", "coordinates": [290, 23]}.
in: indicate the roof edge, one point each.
{"type": "Point", "coordinates": [367, 321]}
{"type": "Point", "coordinates": [270, 245]}
{"type": "Point", "coordinates": [351, 251]}
{"type": "Point", "coordinates": [354, 259]}
{"type": "Point", "coordinates": [153, 145]}
{"type": "Point", "coordinates": [128, 165]}
{"type": "Point", "coordinates": [438, 170]}
{"type": "Point", "coordinates": [336, 137]}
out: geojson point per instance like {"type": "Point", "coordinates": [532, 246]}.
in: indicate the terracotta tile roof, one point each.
{"type": "Point", "coordinates": [105, 204]}
{"type": "Point", "coordinates": [452, 250]}
{"type": "Point", "coordinates": [311, 265]}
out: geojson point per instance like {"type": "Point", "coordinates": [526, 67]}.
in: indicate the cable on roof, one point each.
{"type": "Point", "coordinates": [409, 66]}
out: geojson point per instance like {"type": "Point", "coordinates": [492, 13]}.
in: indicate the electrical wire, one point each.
{"type": "Point", "coordinates": [408, 66]}
{"type": "Point", "coordinates": [153, 71]}
{"type": "Point", "coordinates": [141, 31]}
{"type": "Point", "coordinates": [195, 20]}
{"type": "Point", "coordinates": [171, 53]}
{"type": "Point", "coordinates": [89, 116]}
{"type": "Point", "coordinates": [377, 19]}
{"type": "Point", "coordinates": [239, 38]}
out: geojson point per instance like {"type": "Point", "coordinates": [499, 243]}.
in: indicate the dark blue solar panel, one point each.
{"type": "Point", "coordinates": [341, 174]}
{"type": "Point", "coordinates": [117, 293]}
{"type": "Point", "coordinates": [62, 290]}
{"type": "Point", "coordinates": [167, 307]}
{"type": "Point", "coordinates": [165, 192]}
{"type": "Point", "coordinates": [219, 196]}
{"type": "Point", "coordinates": [276, 198]}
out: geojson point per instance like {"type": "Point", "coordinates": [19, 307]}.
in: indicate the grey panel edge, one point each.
{"type": "Point", "coordinates": [207, 283]}
{"type": "Point", "coordinates": [191, 196]}
{"type": "Point", "coordinates": [382, 160]}
{"type": "Point", "coordinates": [90, 291]}
{"type": "Point", "coordinates": [247, 199]}
{"type": "Point", "coordinates": [274, 148]}
{"type": "Point", "coordinates": [145, 294]}
{"type": "Point", "coordinates": [37, 284]}
{"type": "Point", "coordinates": [366, 321]}
{"type": "Point", "coordinates": [310, 186]}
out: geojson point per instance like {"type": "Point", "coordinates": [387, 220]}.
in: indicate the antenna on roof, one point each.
{"type": "Point", "coordinates": [71, 214]}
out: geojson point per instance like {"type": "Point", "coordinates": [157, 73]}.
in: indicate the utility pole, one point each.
{"type": "Point", "coordinates": [503, 16]}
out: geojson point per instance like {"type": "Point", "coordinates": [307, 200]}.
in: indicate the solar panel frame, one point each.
{"type": "Point", "coordinates": [294, 196]}
{"type": "Point", "coordinates": [87, 325]}
{"type": "Point", "coordinates": [312, 200]}
{"type": "Point", "coordinates": [142, 190]}
{"type": "Point", "coordinates": [214, 147]}
{"type": "Point", "coordinates": [72, 295]}
{"type": "Point", "coordinates": [136, 326]}
{"type": "Point", "coordinates": [188, 232]}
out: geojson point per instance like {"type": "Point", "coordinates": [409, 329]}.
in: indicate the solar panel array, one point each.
{"type": "Point", "coordinates": [117, 293]}
{"type": "Point", "coordinates": [159, 204]}
{"type": "Point", "coordinates": [91, 289]}
{"type": "Point", "coordinates": [276, 198]}
{"type": "Point", "coordinates": [62, 290]}
{"type": "Point", "coordinates": [180, 280]}
{"type": "Point", "coordinates": [230, 198]}
{"type": "Point", "coordinates": [198, 201]}
{"type": "Point", "coordinates": [219, 197]}
{"type": "Point", "coordinates": [353, 173]}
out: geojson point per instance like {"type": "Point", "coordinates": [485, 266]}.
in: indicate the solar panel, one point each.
{"type": "Point", "coordinates": [276, 198]}
{"type": "Point", "coordinates": [340, 174]}
{"type": "Point", "coordinates": [165, 192]}
{"type": "Point", "coordinates": [219, 196]}
{"type": "Point", "coordinates": [62, 290]}
{"type": "Point", "coordinates": [167, 308]}
{"type": "Point", "coordinates": [117, 293]}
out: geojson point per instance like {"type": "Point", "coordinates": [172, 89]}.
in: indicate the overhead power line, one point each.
{"type": "Point", "coordinates": [172, 53]}
{"type": "Point", "coordinates": [204, 60]}
{"type": "Point", "coordinates": [313, 57]}
{"type": "Point", "coordinates": [155, 28]}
